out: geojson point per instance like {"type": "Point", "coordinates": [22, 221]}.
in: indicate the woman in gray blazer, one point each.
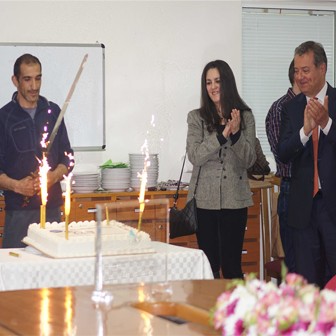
{"type": "Point", "coordinates": [221, 144]}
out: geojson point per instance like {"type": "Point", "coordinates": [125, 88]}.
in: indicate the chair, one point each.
{"type": "Point", "coordinates": [272, 268]}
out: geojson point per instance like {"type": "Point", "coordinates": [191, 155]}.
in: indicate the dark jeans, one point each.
{"type": "Point", "coordinates": [221, 236]}
{"type": "Point", "coordinates": [17, 222]}
{"type": "Point", "coordinates": [285, 230]}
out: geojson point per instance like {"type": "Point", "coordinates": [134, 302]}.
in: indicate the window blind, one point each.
{"type": "Point", "coordinates": [269, 39]}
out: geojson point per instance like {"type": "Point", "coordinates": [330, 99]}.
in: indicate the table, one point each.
{"type": "Point", "coordinates": [169, 262]}
{"type": "Point", "coordinates": [69, 310]}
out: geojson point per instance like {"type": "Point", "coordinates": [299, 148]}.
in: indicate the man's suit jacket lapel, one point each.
{"type": "Point", "coordinates": [332, 112]}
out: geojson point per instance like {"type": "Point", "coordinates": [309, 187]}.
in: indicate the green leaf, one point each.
{"type": "Point", "coordinates": [109, 164]}
{"type": "Point", "coordinates": [284, 271]}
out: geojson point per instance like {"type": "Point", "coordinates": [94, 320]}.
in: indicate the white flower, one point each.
{"type": "Point", "coordinates": [230, 325]}
{"type": "Point", "coordinates": [266, 310]}
{"type": "Point", "coordinates": [329, 295]}
{"type": "Point", "coordinates": [252, 331]}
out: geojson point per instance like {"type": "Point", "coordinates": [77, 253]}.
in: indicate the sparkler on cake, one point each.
{"type": "Point", "coordinates": [43, 172]}
{"type": "Point", "coordinates": [67, 204]}
{"type": "Point", "coordinates": [143, 183]}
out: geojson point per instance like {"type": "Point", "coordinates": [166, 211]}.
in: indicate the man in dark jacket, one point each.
{"type": "Point", "coordinates": [308, 138]}
{"type": "Point", "coordinates": [23, 122]}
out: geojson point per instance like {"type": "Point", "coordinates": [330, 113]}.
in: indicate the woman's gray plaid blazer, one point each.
{"type": "Point", "coordinates": [223, 182]}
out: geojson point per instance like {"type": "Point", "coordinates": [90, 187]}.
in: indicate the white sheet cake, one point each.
{"type": "Point", "coordinates": [117, 238]}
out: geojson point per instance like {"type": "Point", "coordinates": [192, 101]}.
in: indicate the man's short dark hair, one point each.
{"type": "Point", "coordinates": [291, 72]}
{"type": "Point", "coordinates": [318, 50]}
{"type": "Point", "coordinates": [27, 59]}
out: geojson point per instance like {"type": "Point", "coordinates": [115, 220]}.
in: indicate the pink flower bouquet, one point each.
{"type": "Point", "coordinates": [295, 308]}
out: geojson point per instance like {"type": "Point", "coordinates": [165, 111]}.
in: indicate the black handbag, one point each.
{"type": "Point", "coordinates": [184, 222]}
{"type": "Point", "coordinates": [261, 165]}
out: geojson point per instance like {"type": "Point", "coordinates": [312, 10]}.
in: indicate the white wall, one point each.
{"type": "Point", "coordinates": [155, 53]}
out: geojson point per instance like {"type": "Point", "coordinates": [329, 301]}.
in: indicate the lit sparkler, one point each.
{"type": "Point", "coordinates": [71, 160]}
{"type": "Point", "coordinates": [67, 194]}
{"type": "Point", "coordinates": [143, 175]}
{"type": "Point", "coordinates": [44, 137]}
{"type": "Point", "coordinates": [43, 172]}
{"type": "Point", "coordinates": [67, 204]}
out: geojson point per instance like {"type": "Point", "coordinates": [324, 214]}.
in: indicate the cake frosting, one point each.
{"type": "Point", "coordinates": [116, 239]}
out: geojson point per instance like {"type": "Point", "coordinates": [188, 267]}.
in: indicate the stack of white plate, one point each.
{"type": "Point", "coordinates": [137, 166]}
{"type": "Point", "coordinates": [115, 179]}
{"type": "Point", "coordinates": [84, 183]}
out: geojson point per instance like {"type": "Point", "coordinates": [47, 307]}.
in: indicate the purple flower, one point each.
{"type": "Point", "coordinates": [239, 328]}
{"type": "Point", "coordinates": [324, 327]}
{"type": "Point", "coordinates": [231, 307]}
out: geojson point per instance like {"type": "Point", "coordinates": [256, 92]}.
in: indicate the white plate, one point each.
{"type": "Point", "coordinates": [110, 176]}
{"type": "Point", "coordinates": [116, 181]}
{"type": "Point", "coordinates": [85, 187]}
{"type": "Point", "coordinates": [85, 174]}
{"type": "Point", "coordinates": [116, 186]}
{"type": "Point", "coordinates": [111, 179]}
{"type": "Point", "coordinates": [142, 162]}
{"type": "Point", "coordinates": [84, 178]}
{"type": "Point", "coordinates": [115, 190]}
{"type": "Point", "coordinates": [84, 191]}
{"type": "Point", "coordinates": [116, 171]}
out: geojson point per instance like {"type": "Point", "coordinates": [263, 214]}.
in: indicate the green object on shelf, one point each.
{"type": "Point", "coordinates": [110, 164]}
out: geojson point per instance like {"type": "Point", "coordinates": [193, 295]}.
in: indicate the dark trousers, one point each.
{"type": "Point", "coordinates": [314, 246]}
{"type": "Point", "coordinates": [17, 222]}
{"type": "Point", "coordinates": [285, 230]}
{"type": "Point", "coordinates": [221, 236]}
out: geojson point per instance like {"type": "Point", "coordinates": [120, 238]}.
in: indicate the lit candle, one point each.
{"type": "Point", "coordinates": [67, 204]}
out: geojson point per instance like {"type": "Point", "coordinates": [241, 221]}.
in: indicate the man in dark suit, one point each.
{"type": "Point", "coordinates": [308, 140]}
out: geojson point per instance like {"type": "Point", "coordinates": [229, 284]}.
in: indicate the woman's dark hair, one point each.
{"type": "Point", "coordinates": [229, 97]}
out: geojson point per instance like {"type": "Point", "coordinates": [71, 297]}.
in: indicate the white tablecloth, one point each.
{"type": "Point", "coordinates": [169, 262]}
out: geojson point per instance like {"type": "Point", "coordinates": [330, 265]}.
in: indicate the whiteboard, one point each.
{"type": "Point", "coordinates": [85, 115]}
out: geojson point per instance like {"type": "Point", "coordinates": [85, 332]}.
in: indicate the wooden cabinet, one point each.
{"type": "Point", "coordinates": [251, 247]}
{"type": "Point", "coordinates": [83, 207]}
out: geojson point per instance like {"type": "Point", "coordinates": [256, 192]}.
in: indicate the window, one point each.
{"type": "Point", "coordinates": [269, 39]}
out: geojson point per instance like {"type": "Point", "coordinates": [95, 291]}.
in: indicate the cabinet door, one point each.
{"type": "Point", "coordinates": [85, 210]}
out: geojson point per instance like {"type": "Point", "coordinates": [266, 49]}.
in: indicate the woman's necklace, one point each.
{"type": "Point", "coordinates": [222, 121]}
